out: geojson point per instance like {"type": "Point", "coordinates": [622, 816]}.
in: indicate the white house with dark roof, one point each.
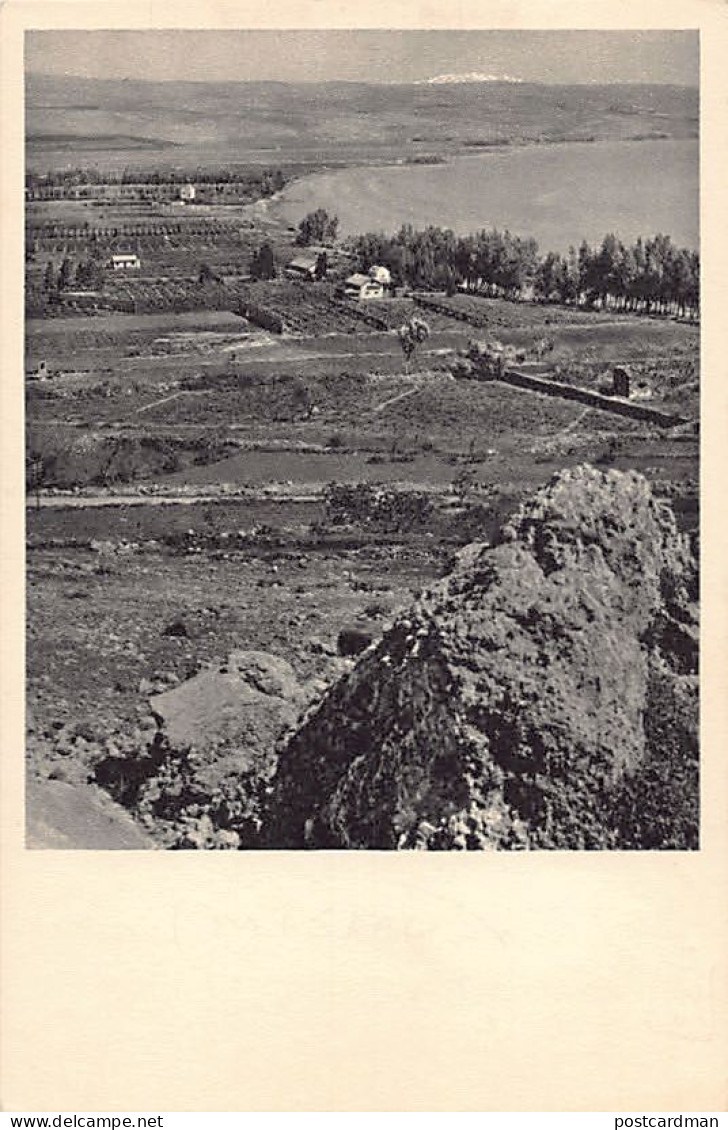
{"type": "Point", "coordinates": [362, 287]}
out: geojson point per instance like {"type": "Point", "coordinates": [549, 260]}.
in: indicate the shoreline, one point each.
{"type": "Point", "coordinates": [274, 208]}
{"type": "Point", "coordinates": [39, 162]}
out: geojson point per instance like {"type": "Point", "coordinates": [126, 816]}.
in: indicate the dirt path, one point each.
{"type": "Point", "coordinates": [306, 355]}
{"type": "Point", "coordinates": [574, 423]}
{"type": "Point", "coordinates": [164, 400]}
{"type": "Point", "coordinates": [299, 492]}
{"type": "Point", "coordinates": [393, 400]}
{"type": "Point", "coordinates": [94, 501]}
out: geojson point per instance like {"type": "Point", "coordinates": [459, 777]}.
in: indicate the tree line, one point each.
{"type": "Point", "coordinates": [650, 276]}
{"type": "Point", "coordinates": [88, 274]}
{"type": "Point", "coordinates": [53, 230]}
{"type": "Point", "coordinates": [272, 180]}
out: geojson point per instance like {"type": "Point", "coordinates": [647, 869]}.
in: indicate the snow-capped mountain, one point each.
{"type": "Point", "coordinates": [468, 76]}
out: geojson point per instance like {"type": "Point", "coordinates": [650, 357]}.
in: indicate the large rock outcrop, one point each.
{"type": "Point", "coordinates": [508, 706]}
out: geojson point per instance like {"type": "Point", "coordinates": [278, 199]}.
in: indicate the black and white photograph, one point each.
{"type": "Point", "coordinates": [362, 435]}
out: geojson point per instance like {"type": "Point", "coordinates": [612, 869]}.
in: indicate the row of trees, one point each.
{"type": "Point", "coordinates": [88, 274]}
{"type": "Point", "coordinates": [84, 230]}
{"type": "Point", "coordinates": [436, 259]}
{"type": "Point", "coordinates": [649, 275]}
{"type": "Point", "coordinates": [271, 180]}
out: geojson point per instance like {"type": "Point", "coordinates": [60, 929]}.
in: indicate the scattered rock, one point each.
{"type": "Point", "coordinates": [176, 628]}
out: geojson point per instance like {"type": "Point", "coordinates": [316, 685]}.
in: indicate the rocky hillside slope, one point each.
{"type": "Point", "coordinates": [543, 695]}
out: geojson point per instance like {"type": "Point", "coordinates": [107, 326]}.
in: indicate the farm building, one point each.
{"type": "Point", "coordinates": [187, 193]}
{"type": "Point", "coordinates": [126, 262]}
{"type": "Point", "coordinates": [303, 267]}
{"type": "Point", "coordinates": [362, 286]}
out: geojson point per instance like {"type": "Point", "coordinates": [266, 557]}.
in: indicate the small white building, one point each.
{"type": "Point", "coordinates": [127, 261]}
{"type": "Point", "coordinates": [381, 275]}
{"type": "Point", "coordinates": [362, 287]}
{"type": "Point", "coordinates": [187, 193]}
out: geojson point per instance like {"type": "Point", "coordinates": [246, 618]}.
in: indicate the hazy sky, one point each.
{"type": "Point", "coordinates": [374, 56]}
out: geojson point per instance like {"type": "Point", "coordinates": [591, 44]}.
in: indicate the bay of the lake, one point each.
{"type": "Point", "coordinates": [560, 194]}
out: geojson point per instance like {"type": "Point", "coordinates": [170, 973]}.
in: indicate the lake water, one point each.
{"type": "Point", "coordinates": [560, 194]}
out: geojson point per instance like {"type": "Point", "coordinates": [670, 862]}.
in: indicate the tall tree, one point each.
{"type": "Point", "coordinates": [64, 274]}
{"type": "Point", "coordinates": [262, 265]}
{"type": "Point", "coordinates": [49, 278]}
{"type": "Point", "coordinates": [322, 265]}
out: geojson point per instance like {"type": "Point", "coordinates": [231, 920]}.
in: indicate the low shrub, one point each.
{"type": "Point", "coordinates": [375, 507]}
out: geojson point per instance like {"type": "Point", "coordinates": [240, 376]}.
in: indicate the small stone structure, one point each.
{"type": "Point", "coordinates": [487, 361]}
{"type": "Point", "coordinates": [620, 381]}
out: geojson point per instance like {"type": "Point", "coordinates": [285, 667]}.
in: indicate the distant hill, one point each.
{"type": "Point", "coordinates": [274, 123]}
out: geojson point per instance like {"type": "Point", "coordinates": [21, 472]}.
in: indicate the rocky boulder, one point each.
{"type": "Point", "coordinates": [60, 815]}
{"type": "Point", "coordinates": [507, 708]}
{"type": "Point", "coordinates": [249, 698]}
